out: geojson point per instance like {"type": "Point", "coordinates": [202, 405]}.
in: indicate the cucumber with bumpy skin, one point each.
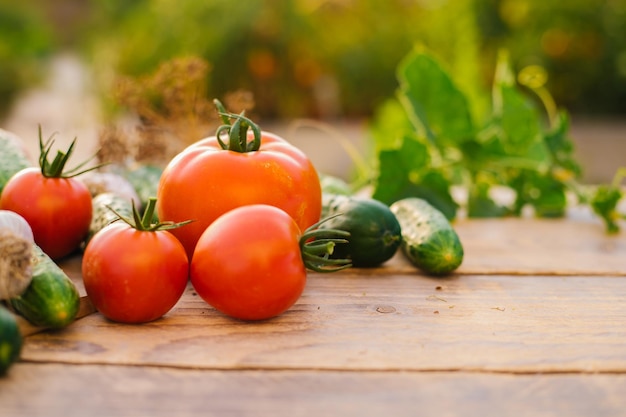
{"type": "Point", "coordinates": [428, 239]}
{"type": "Point", "coordinates": [51, 300]}
{"type": "Point", "coordinates": [145, 179]}
{"type": "Point", "coordinates": [103, 215]}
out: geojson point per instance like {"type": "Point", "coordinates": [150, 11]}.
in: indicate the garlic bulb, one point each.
{"type": "Point", "coordinates": [16, 249]}
{"type": "Point", "coordinates": [17, 224]}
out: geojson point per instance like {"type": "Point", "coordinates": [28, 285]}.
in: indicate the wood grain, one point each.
{"type": "Point", "coordinates": [524, 246]}
{"type": "Point", "coordinates": [532, 324]}
{"type": "Point", "coordinates": [102, 391]}
{"type": "Point", "coordinates": [381, 322]}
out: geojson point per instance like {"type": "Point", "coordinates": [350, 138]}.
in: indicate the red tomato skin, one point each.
{"type": "Point", "coordinates": [134, 276]}
{"type": "Point", "coordinates": [205, 181]}
{"type": "Point", "coordinates": [58, 210]}
{"type": "Point", "coordinates": [248, 263]}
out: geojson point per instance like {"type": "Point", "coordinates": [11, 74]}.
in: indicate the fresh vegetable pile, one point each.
{"type": "Point", "coordinates": [248, 245]}
{"type": "Point", "coordinates": [241, 216]}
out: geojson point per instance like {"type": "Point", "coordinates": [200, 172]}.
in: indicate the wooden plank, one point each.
{"type": "Point", "coordinates": [94, 390]}
{"type": "Point", "coordinates": [378, 322]}
{"type": "Point", "coordinates": [512, 246]}
{"type": "Point", "coordinates": [524, 246]}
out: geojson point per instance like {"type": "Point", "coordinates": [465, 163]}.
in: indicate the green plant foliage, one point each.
{"type": "Point", "coordinates": [437, 108]}
{"type": "Point", "coordinates": [427, 142]}
{"type": "Point", "coordinates": [298, 57]}
{"type": "Point", "coordinates": [328, 58]}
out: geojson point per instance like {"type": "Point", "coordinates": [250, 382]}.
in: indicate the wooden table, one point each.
{"type": "Point", "coordinates": [533, 324]}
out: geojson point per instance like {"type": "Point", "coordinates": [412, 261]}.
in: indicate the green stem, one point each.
{"type": "Point", "coordinates": [317, 245]}
{"type": "Point", "coordinates": [363, 171]}
{"type": "Point", "coordinates": [221, 111]}
{"type": "Point", "coordinates": [56, 168]}
{"type": "Point", "coordinates": [548, 103]}
{"type": "Point", "coordinates": [620, 174]}
{"type": "Point", "coordinates": [237, 132]}
{"type": "Point", "coordinates": [143, 222]}
{"type": "Point", "coordinates": [148, 213]}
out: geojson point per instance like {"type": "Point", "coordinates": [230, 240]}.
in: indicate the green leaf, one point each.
{"type": "Point", "coordinates": [604, 204]}
{"type": "Point", "coordinates": [434, 187]}
{"type": "Point", "coordinates": [389, 125]}
{"type": "Point", "coordinates": [480, 204]}
{"type": "Point", "coordinates": [561, 147]}
{"type": "Point", "coordinates": [437, 108]}
{"type": "Point", "coordinates": [397, 166]}
{"type": "Point", "coordinates": [515, 115]}
{"type": "Point", "coordinates": [543, 192]}
{"type": "Point", "coordinates": [407, 172]}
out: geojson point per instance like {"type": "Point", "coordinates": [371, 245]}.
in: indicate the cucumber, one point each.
{"type": "Point", "coordinates": [10, 340]}
{"type": "Point", "coordinates": [51, 300]}
{"type": "Point", "coordinates": [334, 185]}
{"type": "Point", "coordinates": [103, 216]}
{"type": "Point", "coordinates": [332, 202]}
{"type": "Point", "coordinates": [375, 233]}
{"type": "Point", "coordinates": [145, 179]}
{"type": "Point", "coordinates": [428, 239]}
{"type": "Point", "coordinates": [13, 158]}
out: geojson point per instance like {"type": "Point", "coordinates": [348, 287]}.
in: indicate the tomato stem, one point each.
{"type": "Point", "coordinates": [143, 222]}
{"type": "Point", "coordinates": [56, 168]}
{"type": "Point", "coordinates": [318, 244]}
{"type": "Point", "coordinates": [148, 213]}
{"type": "Point", "coordinates": [237, 131]}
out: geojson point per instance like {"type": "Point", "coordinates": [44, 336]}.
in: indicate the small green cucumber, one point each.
{"type": "Point", "coordinates": [375, 233]}
{"type": "Point", "coordinates": [103, 216]}
{"type": "Point", "coordinates": [428, 239]}
{"type": "Point", "coordinates": [51, 300]}
{"type": "Point", "coordinates": [145, 179]}
{"type": "Point", "coordinates": [334, 185]}
{"type": "Point", "coordinates": [10, 340]}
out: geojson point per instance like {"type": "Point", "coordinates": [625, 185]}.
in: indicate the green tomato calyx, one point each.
{"type": "Point", "coordinates": [237, 131]}
{"type": "Point", "coordinates": [317, 245]}
{"type": "Point", "coordinates": [56, 168]}
{"type": "Point", "coordinates": [144, 223]}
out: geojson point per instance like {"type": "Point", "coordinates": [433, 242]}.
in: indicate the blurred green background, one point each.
{"type": "Point", "coordinates": [323, 58]}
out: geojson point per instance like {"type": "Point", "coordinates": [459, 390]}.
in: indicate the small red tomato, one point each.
{"type": "Point", "coordinates": [56, 205]}
{"type": "Point", "coordinates": [134, 276]}
{"type": "Point", "coordinates": [57, 209]}
{"type": "Point", "coordinates": [249, 264]}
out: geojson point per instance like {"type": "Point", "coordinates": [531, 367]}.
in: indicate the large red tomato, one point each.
{"type": "Point", "coordinates": [248, 264]}
{"type": "Point", "coordinates": [134, 276]}
{"type": "Point", "coordinates": [251, 262]}
{"type": "Point", "coordinates": [205, 181]}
